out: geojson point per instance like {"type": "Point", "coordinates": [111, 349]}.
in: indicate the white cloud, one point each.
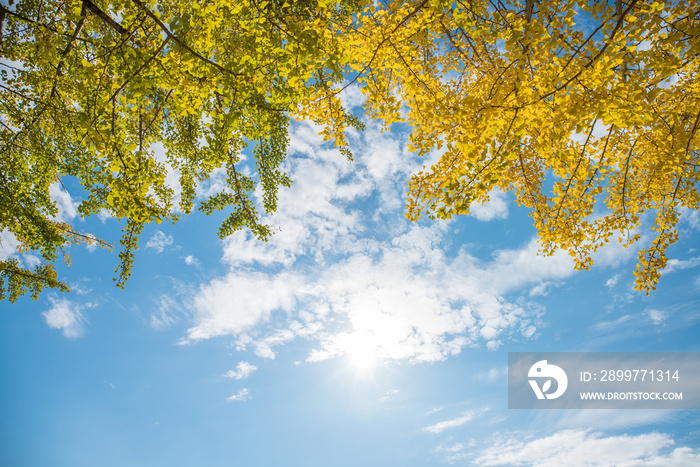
{"type": "Point", "coordinates": [9, 248]}
{"type": "Point", "coordinates": [319, 214]}
{"type": "Point", "coordinates": [612, 282]}
{"type": "Point", "coordinates": [410, 302]}
{"type": "Point", "coordinates": [514, 269]}
{"type": "Point", "coordinates": [159, 241]}
{"type": "Point", "coordinates": [264, 346]}
{"type": "Point", "coordinates": [453, 423]}
{"type": "Point", "coordinates": [352, 96]}
{"type": "Point", "coordinates": [614, 254]}
{"type": "Point", "coordinates": [691, 216]}
{"type": "Point", "coordinates": [67, 208]}
{"type": "Point", "coordinates": [79, 287]}
{"type": "Point", "coordinates": [191, 260]}
{"type": "Point", "coordinates": [542, 289]}
{"type": "Point", "coordinates": [347, 268]}
{"type": "Point", "coordinates": [495, 208]}
{"type": "Point", "coordinates": [599, 131]}
{"type": "Point", "coordinates": [575, 448]}
{"type": "Point", "coordinates": [657, 316]}
{"type": "Point", "coordinates": [66, 315]}
{"type": "Point", "coordinates": [104, 215]}
{"type": "Point", "coordinates": [450, 449]}
{"type": "Point", "coordinates": [454, 452]}
{"type": "Point", "coordinates": [241, 300]}
{"type": "Point", "coordinates": [644, 46]}
{"type": "Point", "coordinates": [404, 298]}
{"type": "Point", "coordinates": [677, 264]}
{"type": "Point", "coordinates": [242, 371]}
{"type": "Point", "coordinates": [242, 395]}
{"type": "Point", "coordinates": [8, 245]}
{"type": "Point", "coordinates": [169, 308]}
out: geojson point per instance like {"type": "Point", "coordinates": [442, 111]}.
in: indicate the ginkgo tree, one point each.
{"type": "Point", "coordinates": [588, 111]}
{"type": "Point", "coordinates": [89, 88]}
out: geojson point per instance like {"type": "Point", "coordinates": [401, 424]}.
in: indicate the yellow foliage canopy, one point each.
{"type": "Point", "coordinates": [587, 111]}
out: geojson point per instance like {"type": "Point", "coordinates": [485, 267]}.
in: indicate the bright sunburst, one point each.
{"type": "Point", "coordinates": [361, 353]}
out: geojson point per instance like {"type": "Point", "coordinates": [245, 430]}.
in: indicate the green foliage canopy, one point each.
{"type": "Point", "coordinates": [90, 87]}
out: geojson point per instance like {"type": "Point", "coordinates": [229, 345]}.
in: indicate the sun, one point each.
{"type": "Point", "coordinates": [362, 359]}
{"type": "Point", "coordinates": [360, 351]}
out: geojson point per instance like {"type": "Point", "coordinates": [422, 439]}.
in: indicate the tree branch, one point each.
{"type": "Point", "coordinates": [69, 47]}
{"type": "Point", "coordinates": [180, 42]}
{"type": "Point", "coordinates": [529, 5]}
{"type": "Point", "coordinates": [104, 16]}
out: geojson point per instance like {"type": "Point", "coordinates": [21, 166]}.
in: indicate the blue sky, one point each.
{"type": "Point", "coordinates": [353, 337]}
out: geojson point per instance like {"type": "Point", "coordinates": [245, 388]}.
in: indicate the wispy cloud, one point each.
{"type": "Point", "coordinates": [677, 264]}
{"type": "Point", "coordinates": [453, 423]}
{"type": "Point", "coordinates": [166, 312]}
{"type": "Point", "coordinates": [657, 316]}
{"type": "Point", "coordinates": [242, 371]}
{"type": "Point", "coordinates": [612, 282]}
{"type": "Point", "coordinates": [454, 452]}
{"type": "Point", "coordinates": [578, 448]}
{"type": "Point", "coordinates": [493, 375]}
{"type": "Point", "coordinates": [242, 395]}
{"type": "Point", "coordinates": [611, 326]}
{"type": "Point", "coordinates": [650, 321]}
{"type": "Point", "coordinates": [66, 316]}
{"type": "Point", "coordinates": [159, 241]}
